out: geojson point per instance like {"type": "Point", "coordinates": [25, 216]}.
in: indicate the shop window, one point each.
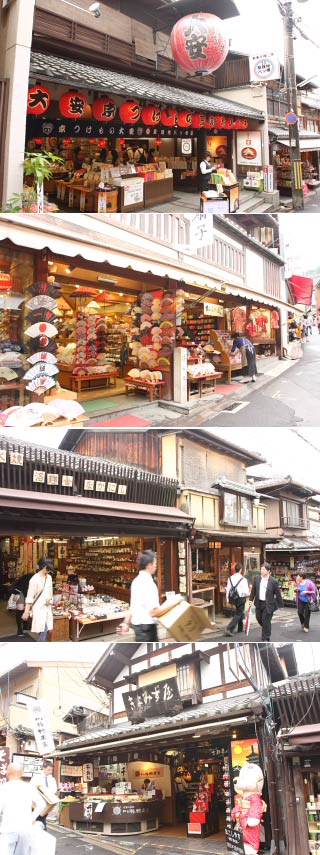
{"type": "Point", "coordinates": [237, 510]}
{"type": "Point", "coordinates": [22, 698]}
{"type": "Point", "coordinates": [292, 515]}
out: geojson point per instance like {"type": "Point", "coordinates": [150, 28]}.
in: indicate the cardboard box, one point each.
{"type": "Point", "coordinates": [185, 622]}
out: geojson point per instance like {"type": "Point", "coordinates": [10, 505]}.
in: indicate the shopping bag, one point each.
{"type": "Point", "coordinates": [248, 619]}
{"type": "Point", "coordinates": [12, 602]}
{"type": "Point", "coordinates": [41, 841]}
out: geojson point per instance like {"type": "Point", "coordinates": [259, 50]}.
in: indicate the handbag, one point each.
{"type": "Point", "coordinates": [314, 605]}
{"type": "Point", "coordinates": [12, 602]}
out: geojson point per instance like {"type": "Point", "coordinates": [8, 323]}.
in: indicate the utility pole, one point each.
{"type": "Point", "coordinates": [291, 84]}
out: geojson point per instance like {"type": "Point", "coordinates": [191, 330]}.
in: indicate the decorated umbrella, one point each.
{"type": "Point", "coordinates": [83, 291]}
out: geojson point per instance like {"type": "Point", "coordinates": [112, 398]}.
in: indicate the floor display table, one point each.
{"type": "Point", "coordinates": [205, 385]}
{"type": "Point", "coordinates": [153, 389]}
{"type": "Point", "coordinates": [84, 627]}
{"type": "Point", "coordinates": [122, 817]}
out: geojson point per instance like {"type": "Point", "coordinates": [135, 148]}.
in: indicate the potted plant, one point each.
{"type": "Point", "coordinates": [39, 166]}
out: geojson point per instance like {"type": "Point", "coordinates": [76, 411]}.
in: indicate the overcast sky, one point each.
{"type": "Point", "coordinates": [302, 235]}
{"type": "Point", "coordinates": [260, 29]}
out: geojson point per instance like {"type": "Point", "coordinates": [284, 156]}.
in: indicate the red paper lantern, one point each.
{"type": "Point", "coordinates": [104, 110]}
{"type": "Point", "coordinates": [151, 115]}
{"type": "Point", "coordinates": [72, 105]}
{"type": "Point", "coordinates": [38, 100]}
{"type": "Point", "coordinates": [185, 119]}
{"type": "Point", "coordinates": [199, 44]}
{"type": "Point", "coordinates": [5, 281]}
{"type": "Point", "coordinates": [158, 142]}
{"type": "Point", "coordinates": [38, 140]}
{"type": "Point", "coordinates": [169, 117]}
{"type": "Point", "coordinates": [199, 120]}
{"type": "Point", "coordinates": [130, 112]}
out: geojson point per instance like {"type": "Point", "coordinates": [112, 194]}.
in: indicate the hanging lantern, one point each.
{"type": "Point", "coordinates": [38, 140]}
{"type": "Point", "coordinates": [158, 142]}
{"type": "Point", "coordinates": [185, 119]}
{"type": "Point", "coordinates": [5, 281]}
{"type": "Point", "coordinates": [72, 105]}
{"type": "Point", "coordinates": [151, 115]}
{"type": "Point", "coordinates": [130, 112]}
{"type": "Point", "coordinates": [199, 43]}
{"type": "Point", "coordinates": [169, 117]}
{"type": "Point", "coordinates": [199, 120]}
{"type": "Point", "coordinates": [87, 114]}
{"type": "Point", "coordinates": [38, 100]}
{"type": "Point", "coordinates": [104, 110]}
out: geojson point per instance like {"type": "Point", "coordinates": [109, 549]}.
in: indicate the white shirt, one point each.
{"type": "Point", "coordinates": [41, 611]}
{"type": "Point", "coordinates": [47, 781]}
{"type": "Point", "coordinates": [243, 587]}
{"type": "Point", "coordinates": [143, 599]}
{"type": "Point", "coordinates": [16, 799]}
{"type": "Point", "coordinates": [263, 588]}
{"type": "Point", "coordinates": [205, 167]}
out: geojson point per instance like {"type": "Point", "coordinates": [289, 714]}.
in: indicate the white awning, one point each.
{"type": "Point", "coordinates": [305, 145]}
{"type": "Point", "coordinates": [49, 231]}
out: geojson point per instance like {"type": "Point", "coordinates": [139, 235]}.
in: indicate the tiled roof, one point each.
{"type": "Point", "coordinates": [244, 489]}
{"type": "Point", "coordinates": [67, 71]}
{"type": "Point", "coordinates": [283, 133]}
{"type": "Point", "coordinates": [295, 544]}
{"type": "Point", "coordinates": [218, 709]}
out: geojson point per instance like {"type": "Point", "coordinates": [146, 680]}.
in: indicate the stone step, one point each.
{"type": "Point", "coordinates": [258, 204]}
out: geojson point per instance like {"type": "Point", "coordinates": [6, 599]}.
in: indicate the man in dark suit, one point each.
{"type": "Point", "coordinates": [266, 596]}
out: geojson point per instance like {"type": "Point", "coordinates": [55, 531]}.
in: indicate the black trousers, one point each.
{"type": "Point", "coordinates": [146, 632]}
{"type": "Point", "coordinates": [264, 619]}
{"type": "Point", "coordinates": [304, 613]}
{"type": "Point", "coordinates": [237, 618]}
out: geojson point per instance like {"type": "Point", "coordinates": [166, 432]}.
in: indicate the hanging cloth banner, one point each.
{"type": "Point", "coordinates": [302, 288]}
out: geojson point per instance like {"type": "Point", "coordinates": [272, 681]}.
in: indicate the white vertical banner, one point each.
{"type": "Point", "coordinates": [40, 198]}
{"type": "Point", "coordinates": [40, 723]}
{"type": "Point", "coordinates": [200, 231]}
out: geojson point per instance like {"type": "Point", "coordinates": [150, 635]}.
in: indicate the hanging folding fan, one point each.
{"type": "Point", "coordinates": [44, 343]}
{"type": "Point", "coordinates": [41, 315]}
{"type": "Point", "coordinates": [50, 289]}
{"type": "Point", "coordinates": [40, 384]}
{"type": "Point", "coordinates": [41, 300]}
{"type": "Point", "coordinates": [11, 301]}
{"type": "Point", "coordinates": [42, 356]}
{"type": "Point", "coordinates": [39, 369]}
{"type": "Point", "coordinates": [41, 329]}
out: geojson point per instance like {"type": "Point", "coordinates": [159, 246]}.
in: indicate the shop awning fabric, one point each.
{"type": "Point", "coordinates": [302, 288]}
{"type": "Point", "coordinates": [58, 70]}
{"type": "Point", "coordinates": [72, 240]}
{"type": "Point", "coordinates": [305, 145]}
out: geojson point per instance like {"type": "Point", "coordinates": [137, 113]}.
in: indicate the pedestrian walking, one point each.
{"type": "Point", "coordinates": [16, 812]}
{"type": "Point", "coordinates": [144, 601]}
{"type": "Point", "coordinates": [248, 355]}
{"type": "Point", "coordinates": [266, 595]}
{"type": "Point", "coordinates": [39, 600]}
{"type": "Point", "coordinates": [306, 594]}
{"type": "Point", "coordinates": [20, 590]}
{"type": "Point", "coordinates": [47, 780]}
{"type": "Point", "coordinates": [237, 593]}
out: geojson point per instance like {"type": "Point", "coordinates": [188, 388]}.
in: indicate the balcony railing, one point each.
{"type": "Point", "coordinates": [293, 522]}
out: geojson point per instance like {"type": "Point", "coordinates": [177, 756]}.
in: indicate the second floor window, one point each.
{"type": "Point", "coordinates": [237, 510]}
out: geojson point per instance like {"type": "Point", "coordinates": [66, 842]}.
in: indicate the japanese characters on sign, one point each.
{"type": "Point", "coordinates": [87, 773]}
{"type": "Point", "coordinates": [42, 733]}
{"type": "Point", "coordinates": [4, 762]}
{"type": "Point", "coordinates": [234, 841]}
{"type": "Point", "coordinates": [265, 66]}
{"type": "Point", "coordinates": [201, 231]}
{"type": "Point", "coordinates": [153, 700]}
{"type": "Point", "coordinates": [69, 127]}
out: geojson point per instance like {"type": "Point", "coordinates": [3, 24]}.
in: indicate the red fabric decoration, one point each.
{"type": "Point", "coordinates": [275, 320]}
{"type": "Point", "coordinates": [38, 100]}
{"type": "Point", "coordinates": [239, 319]}
{"type": "Point", "coordinates": [104, 110]}
{"type": "Point", "coordinates": [130, 112]}
{"type": "Point", "coordinates": [251, 327]}
{"type": "Point", "coordinates": [151, 115]}
{"type": "Point", "coordinates": [72, 105]}
{"type": "Point", "coordinates": [199, 43]}
{"type": "Point", "coordinates": [249, 807]}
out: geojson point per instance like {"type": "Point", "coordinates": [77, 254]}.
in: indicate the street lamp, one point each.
{"type": "Point", "coordinates": [286, 10]}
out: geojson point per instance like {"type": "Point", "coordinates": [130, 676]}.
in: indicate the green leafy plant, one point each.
{"type": "Point", "coordinates": [38, 164]}
{"type": "Point", "coordinates": [15, 204]}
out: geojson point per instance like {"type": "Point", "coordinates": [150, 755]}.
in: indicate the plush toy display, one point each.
{"type": "Point", "coordinates": [249, 807]}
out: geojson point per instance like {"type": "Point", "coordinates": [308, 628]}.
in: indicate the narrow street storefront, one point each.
{"type": "Point", "coordinates": [92, 518]}
{"type": "Point", "coordinates": [97, 131]}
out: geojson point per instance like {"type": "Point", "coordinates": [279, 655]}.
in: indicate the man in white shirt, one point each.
{"type": "Point", "coordinates": [206, 170]}
{"type": "Point", "coordinates": [16, 811]}
{"type": "Point", "coordinates": [238, 588]}
{"type": "Point", "coordinates": [144, 601]}
{"type": "Point", "coordinates": [46, 779]}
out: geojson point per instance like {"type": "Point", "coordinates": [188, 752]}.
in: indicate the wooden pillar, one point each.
{"type": "Point", "coordinates": [292, 848]}
{"type": "Point", "coordinates": [274, 806]}
{"type": "Point", "coordinates": [302, 831]}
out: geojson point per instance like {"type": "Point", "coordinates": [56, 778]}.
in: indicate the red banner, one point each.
{"type": "Point", "coordinates": [302, 288]}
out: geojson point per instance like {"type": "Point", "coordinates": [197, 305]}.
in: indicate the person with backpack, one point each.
{"type": "Point", "coordinates": [306, 595]}
{"type": "Point", "coordinates": [237, 593]}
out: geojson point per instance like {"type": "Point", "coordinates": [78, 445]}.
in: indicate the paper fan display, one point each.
{"type": "Point", "coordinates": [41, 300]}
{"type": "Point", "coordinates": [41, 368]}
{"type": "Point", "coordinates": [44, 343]}
{"type": "Point", "coordinates": [50, 289]}
{"type": "Point", "coordinates": [41, 315]}
{"type": "Point", "coordinates": [41, 329]}
{"type": "Point", "coordinates": [65, 408]}
{"type": "Point", "coordinates": [42, 356]}
{"type": "Point", "coordinates": [39, 385]}
{"type": "Point", "coordinates": [7, 373]}
{"type": "Point", "coordinates": [11, 301]}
